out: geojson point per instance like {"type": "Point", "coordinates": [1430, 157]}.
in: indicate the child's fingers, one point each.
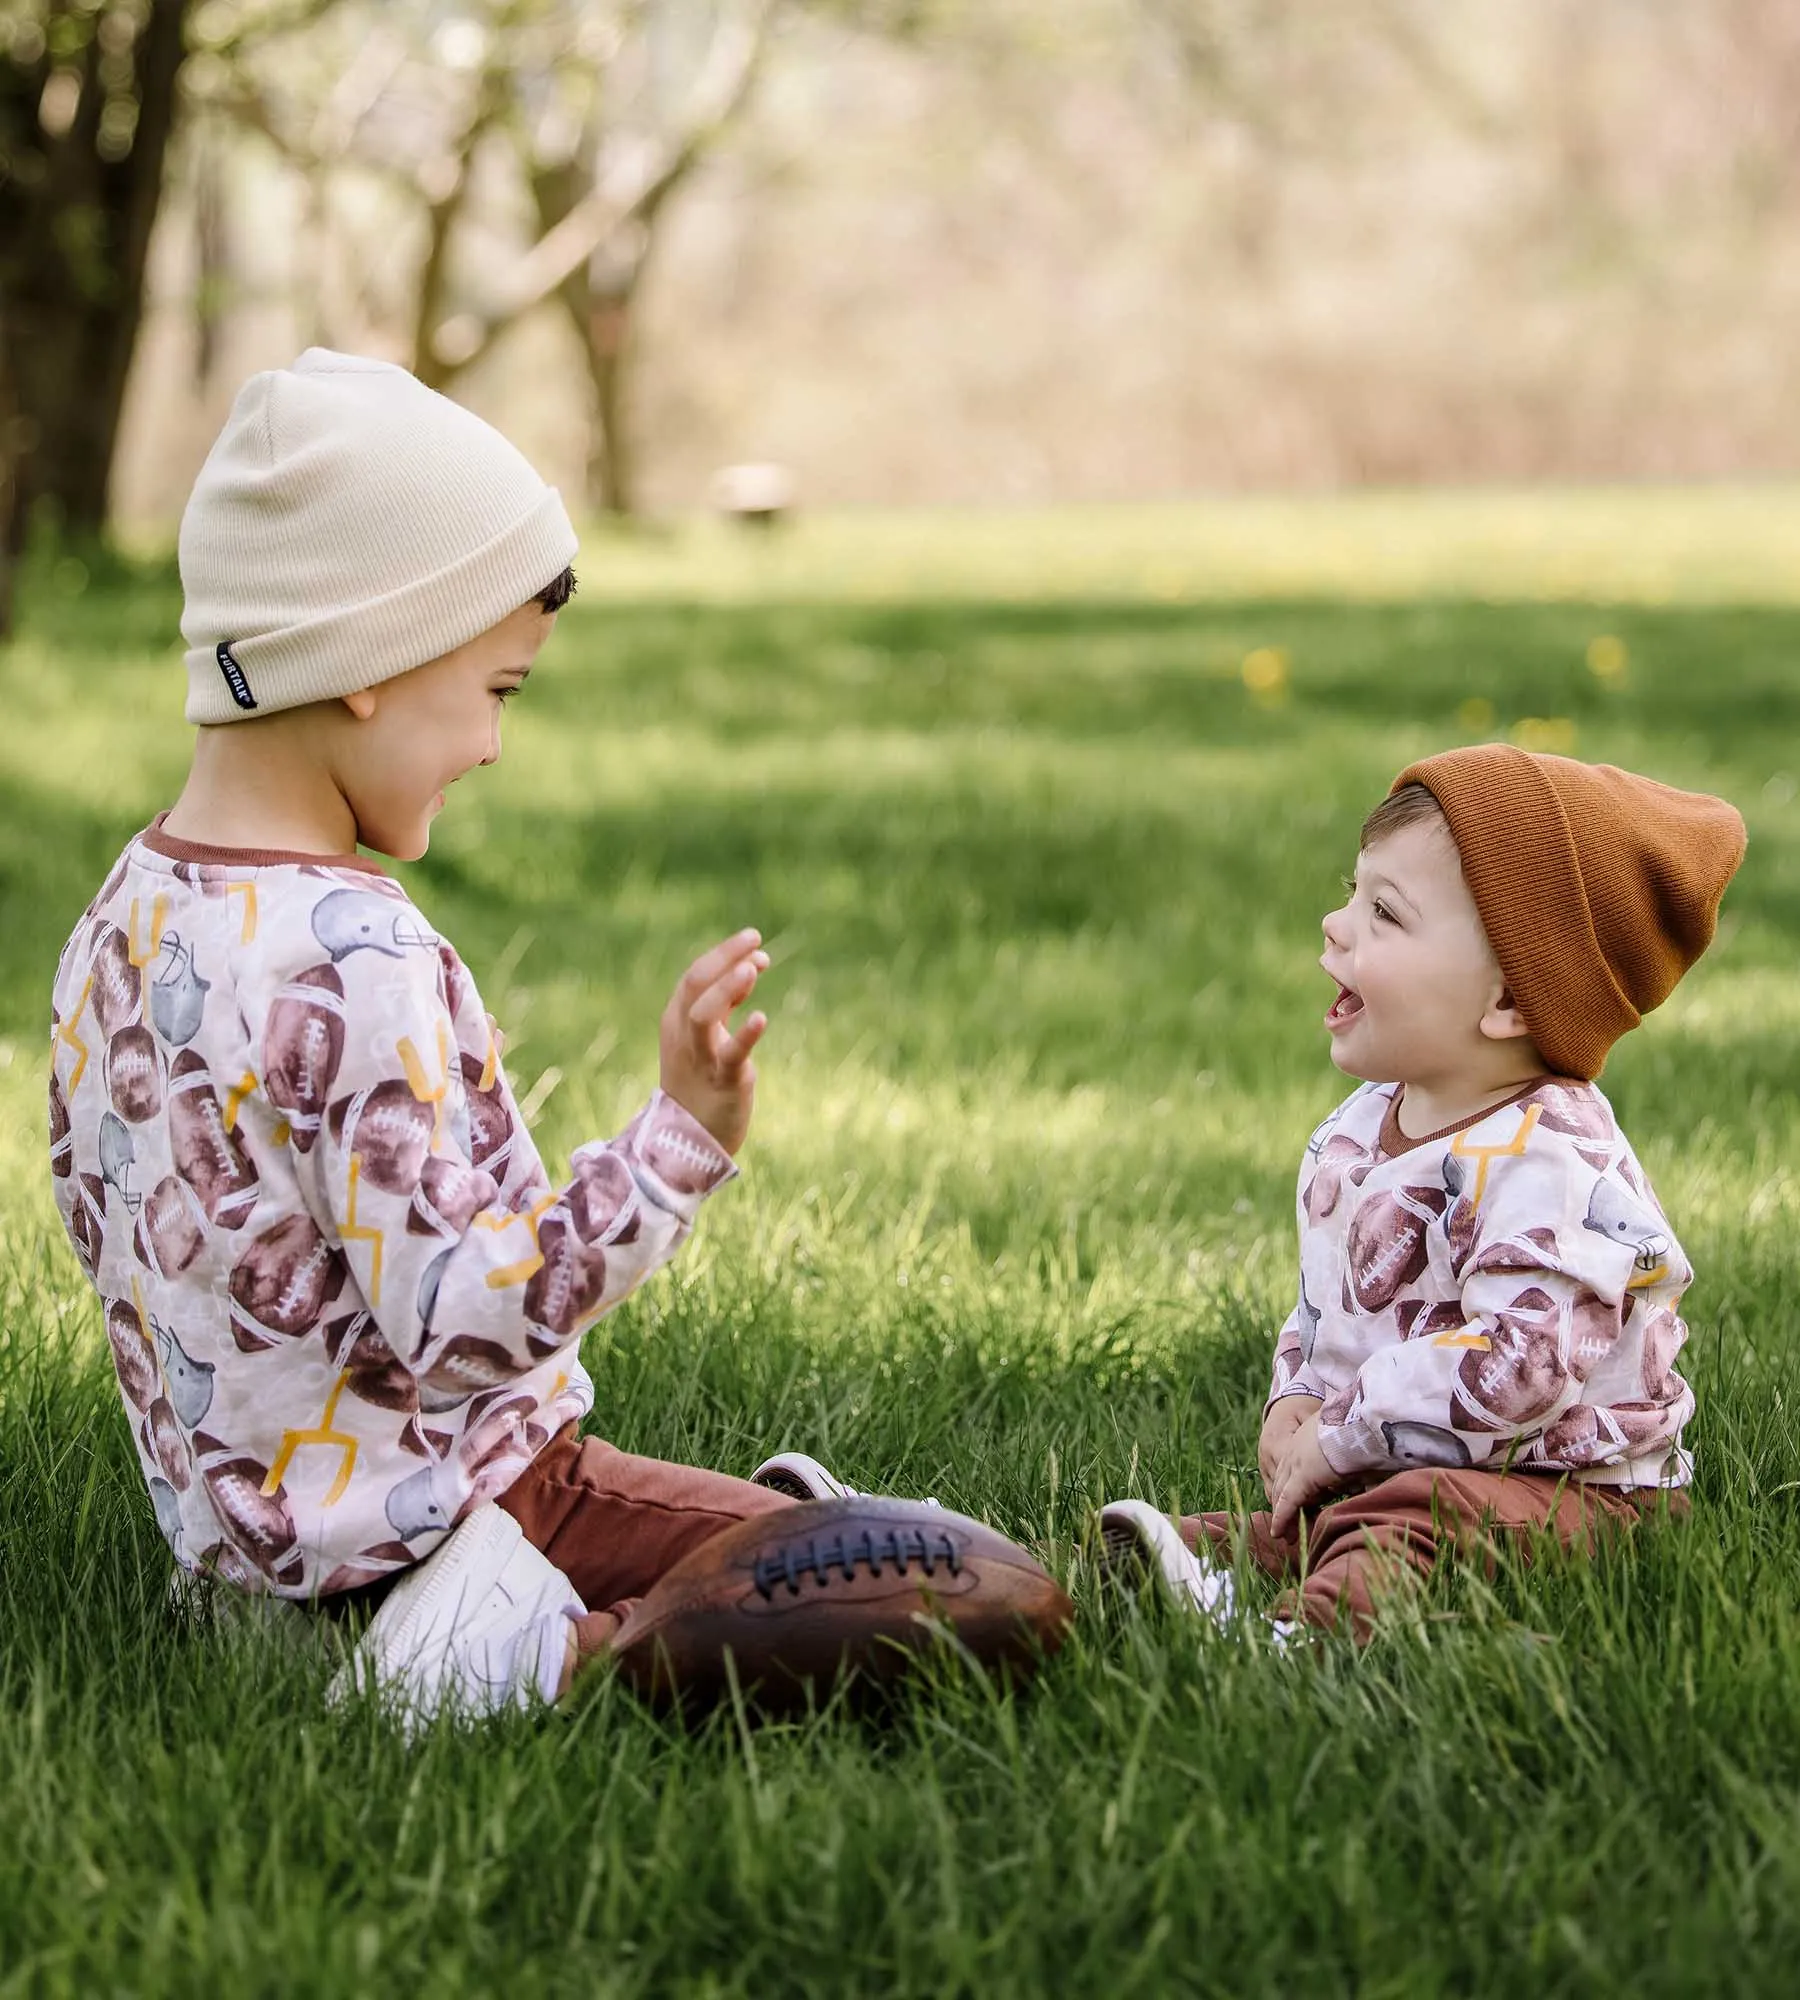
{"type": "Point", "coordinates": [736, 1052]}
{"type": "Point", "coordinates": [1284, 1503]}
{"type": "Point", "coordinates": [731, 989]}
{"type": "Point", "coordinates": [710, 965]}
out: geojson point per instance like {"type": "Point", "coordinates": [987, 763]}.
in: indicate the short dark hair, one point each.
{"type": "Point", "coordinates": [555, 595]}
{"type": "Point", "coordinates": [1409, 806]}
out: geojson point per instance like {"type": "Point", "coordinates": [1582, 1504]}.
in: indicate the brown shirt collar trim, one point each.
{"type": "Point", "coordinates": [1393, 1142]}
{"type": "Point", "coordinates": [176, 849]}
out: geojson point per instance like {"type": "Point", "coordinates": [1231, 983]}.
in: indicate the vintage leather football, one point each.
{"type": "Point", "coordinates": [800, 1594]}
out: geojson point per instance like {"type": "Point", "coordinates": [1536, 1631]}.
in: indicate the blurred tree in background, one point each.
{"type": "Point", "coordinates": [87, 104]}
{"type": "Point", "coordinates": [597, 111]}
{"type": "Point", "coordinates": [582, 118]}
{"type": "Point", "coordinates": [917, 250]}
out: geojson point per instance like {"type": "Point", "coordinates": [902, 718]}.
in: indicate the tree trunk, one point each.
{"type": "Point", "coordinates": [11, 515]}
{"type": "Point", "coordinates": [601, 314]}
{"type": "Point", "coordinates": [74, 239]}
{"type": "Point", "coordinates": [606, 341]}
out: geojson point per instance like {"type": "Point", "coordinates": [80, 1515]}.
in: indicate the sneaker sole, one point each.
{"type": "Point", "coordinates": [1133, 1535]}
{"type": "Point", "coordinates": [800, 1478]}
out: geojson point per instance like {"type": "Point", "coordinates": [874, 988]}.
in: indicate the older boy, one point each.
{"type": "Point", "coordinates": [1488, 1320]}
{"type": "Point", "coordinates": [344, 1300]}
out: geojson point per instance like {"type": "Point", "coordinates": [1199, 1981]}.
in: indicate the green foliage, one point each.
{"type": "Point", "coordinates": [1043, 880]}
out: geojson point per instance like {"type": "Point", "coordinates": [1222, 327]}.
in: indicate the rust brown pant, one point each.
{"type": "Point", "coordinates": [614, 1523]}
{"type": "Point", "coordinates": [1361, 1547]}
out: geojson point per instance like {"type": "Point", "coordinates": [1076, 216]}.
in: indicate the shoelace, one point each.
{"type": "Point", "coordinates": [820, 1555]}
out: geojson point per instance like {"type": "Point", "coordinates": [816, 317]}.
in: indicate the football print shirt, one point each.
{"type": "Point", "coordinates": [1502, 1294]}
{"type": "Point", "coordinates": [343, 1300]}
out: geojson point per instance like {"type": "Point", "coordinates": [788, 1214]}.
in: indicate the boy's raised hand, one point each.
{"type": "Point", "coordinates": [705, 1067]}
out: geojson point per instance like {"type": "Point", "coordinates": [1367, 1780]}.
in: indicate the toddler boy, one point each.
{"type": "Point", "coordinates": [1488, 1315]}
{"type": "Point", "coordinates": [344, 1300]}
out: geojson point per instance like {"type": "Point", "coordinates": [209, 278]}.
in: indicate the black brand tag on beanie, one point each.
{"type": "Point", "coordinates": [234, 676]}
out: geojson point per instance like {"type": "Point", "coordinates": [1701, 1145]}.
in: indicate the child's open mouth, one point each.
{"type": "Point", "coordinates": [1344, 1008]}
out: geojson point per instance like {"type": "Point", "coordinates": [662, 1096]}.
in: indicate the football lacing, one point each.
{"type": "Point", "coordinates": [820, 1555]}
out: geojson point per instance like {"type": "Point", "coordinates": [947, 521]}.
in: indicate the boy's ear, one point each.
{"type": "Point", "coordinates": [360, 703]}
{"type": "Point", "coordinates": [1503, 1022]}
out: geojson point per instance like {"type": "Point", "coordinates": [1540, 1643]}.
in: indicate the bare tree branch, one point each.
{"type": "Point", "coordinates": [719, 94]}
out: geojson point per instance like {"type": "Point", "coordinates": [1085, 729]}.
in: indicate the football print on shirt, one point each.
{"type": "Point", "coordinates": [285, 1150]}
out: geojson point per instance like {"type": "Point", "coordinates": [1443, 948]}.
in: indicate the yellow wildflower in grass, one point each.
{"type": "Point", "coordinates": [1555, 733]}
{"type": "Point", "coordinates": [1476, 715]}
{"type": "Point", "coordinates": [1607, 658]}
{"type": "Point", "coordinates": [1265, 672]}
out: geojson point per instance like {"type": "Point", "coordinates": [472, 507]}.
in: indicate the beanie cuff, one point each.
{"type": "Point", "coordinates": [368, 643]}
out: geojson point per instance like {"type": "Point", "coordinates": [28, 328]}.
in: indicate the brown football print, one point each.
{"type": "Point", "coordinates": [449, 1197]}
{"type": "Point", "coordinates": [1520, 1375]}
{"type": "Point", "coordinates": [134, 1074]}
{"type": "Point", "coordinates": [1642, 1427]}
{"type": "Point", "coordinates": [87, 1219]}
{"type": "Point", "coordinates": [1594, 1330]}
{"type": "Point", "coordinates": [1573, 1109]}
{"type": "Point", "coordinates": [490, 1121]}
{"type": "Point", "coordinates": [62, 1150]}
{"type": "Point", "coordinates": [224, 1562]}
{"type": "Point", "coordinates": [388, 1131]}
{"type": "Point", "coordinates": [260, 1525]}
{"type": "Point", "coordinates": [1462, 1228]}
{"type": "Point", "coordinates": [1389, 1244]}
{"type": "Point", "coordinates": [453, 981]}
{"type": "Point", "coordinates": [665, 1140]}
{"type": "Point", "coordinates": [164, 1443]}
{"type": "Point", "coordinates": [367, 1566]}
{"type": "Point", "coordinates": [133, 1358]}
{"type": "Point", "coordinates": [303, 1047]}
{"type": "Point", "coordinates": [464, 1367]}
{"type": "Point", "coordinates": [603, 1199]}
{"type": "Point", "coordinates": [1531, 1250]}
{"type": "Point", "coordinates": [1419, 1321]}
{"type": "Point", "coordinates": [171, 1231]}
{"type": "Point", "coordinates": [287, 1276]}
{"type": "Point", "coordinates": [118, 997]}
{"type": "Point", "coordinates": [567, 1287]}
{"type": "Point", "coordinates": [1662, 1336]}
{"type": "Point", "coordinates": [211, 1160]}
{"type": "Point", "coordinates": [373, 1372]}
{"type": "Point", "coordinates": [1327, 1183]}
{"type": "Point", "coordinates": [498, 1432]}
{"type": "Point", "coordinates": [1580, 1436]}
{"type": "Point", "coordinates": [800, 1595]}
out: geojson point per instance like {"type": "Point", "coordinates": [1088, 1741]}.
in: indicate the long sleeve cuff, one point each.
{"type": "Point", "coordinates": [675, 1155]}
{"type": "Point", "coordinates": [1350, 1439]}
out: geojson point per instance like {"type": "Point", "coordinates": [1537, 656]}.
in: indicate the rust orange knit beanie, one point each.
{"type": "Point", "coordinates": [1597, 888]}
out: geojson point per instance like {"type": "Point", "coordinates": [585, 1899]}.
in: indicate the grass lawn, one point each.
{"type": "Point", "coordinates": [1040, 823]}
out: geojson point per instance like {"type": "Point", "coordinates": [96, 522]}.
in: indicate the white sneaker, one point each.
{"type": "Point", "coordinates": [801, 1478]}
{"type": "Point", "coordinates": [481, 1625]}
{"type": "Point", "coordinates": [1133, 1535]}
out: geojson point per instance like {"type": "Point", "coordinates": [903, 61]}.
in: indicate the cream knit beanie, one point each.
{"type": "Point", "coordinates": [350, 524]}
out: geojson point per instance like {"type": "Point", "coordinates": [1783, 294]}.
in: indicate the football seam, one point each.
{"type": "Point", "coordinates": [818, 1556]}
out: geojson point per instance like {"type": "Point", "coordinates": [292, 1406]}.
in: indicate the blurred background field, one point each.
{"type": "Point", "coordinates": [1042, 874]}
{"type": "Point", "coordinates": [916, 252]}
